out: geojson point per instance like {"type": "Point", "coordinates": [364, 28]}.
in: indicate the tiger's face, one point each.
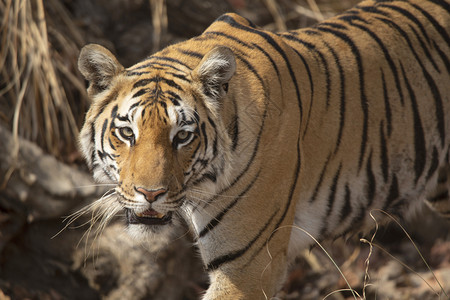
{"type": "Point", "coordinates": [148, 130]}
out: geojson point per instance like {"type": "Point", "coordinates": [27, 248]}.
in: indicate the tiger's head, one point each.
{"type": "Point", "coordinates": [154, 130]}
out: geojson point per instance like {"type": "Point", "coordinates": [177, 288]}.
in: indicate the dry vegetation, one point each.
{"type": "Point", "coordinates": [43, 100]}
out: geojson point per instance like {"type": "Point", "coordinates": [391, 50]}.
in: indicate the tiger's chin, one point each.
{"type": "Point", "coordinates": [148, 217]}
{"type": "Point", "coordinates": [151, 227]}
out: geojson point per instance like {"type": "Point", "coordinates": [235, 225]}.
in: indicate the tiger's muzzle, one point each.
{"type": "Point", "coordinates": [148, 217]}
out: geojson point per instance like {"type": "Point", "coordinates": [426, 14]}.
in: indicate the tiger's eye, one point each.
{"type": "Point", "coordinates": [182, 135]}
{"type": "Point", "coordinates": [126, 132]}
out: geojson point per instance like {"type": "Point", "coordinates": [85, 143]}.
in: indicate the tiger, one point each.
{"type": "Point", "coordinates": [245, 136]}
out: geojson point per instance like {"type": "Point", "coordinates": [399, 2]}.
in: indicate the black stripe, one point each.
{"type": "Point", "coordinates": [143, 82]}
{"type": "Point", "coordinates": [442, 31]}
{"type": "Point", "coordinates": [111, 144]}
{"type": "Point", "coordinates": [195, 153]}
{"type": "Point", "coordinates": [443, 56]}
{"type": "Point", "coordinates": [175, 99]}
{"type": "Point", "coordinates": [342, 107]}
{"type": "Point", "coordinates": [218, 218]}
{"type": "Point", "coordinates": [203, 162]}
{"type": "Point", "coordinates": [387, 104]}
{"type": "Point", "coordinates": [164, 106]}
{"type": "Point", "coordinates": [105, 102]}
{"type": "Point", "coordinates": [183, 116]}
{"type": "Point", "coordinates": [434, 164]}
{"type": "Point", "coordinates": [208, 175]}
{"type": "Point", "coordinates": [230, 37]}
{"type": "Point", "coordinates": [215, 145]}
{"type": "Point", "coordinates": [312, 32]}
{"type": "Point", "coordinates": [172, 83]}
{"type": "Point", "coordinates": [205, 137]}
{"type": "Point", "coordinates": [330, 202]}
{"type": "Point", "coordinates": [132, 73]}
{"type": "Point", "coordinates": [100, 154]}
{"type": "Point", "coordinates": [233, 127]}
{"type": "Point", "coordinates": [191, 53]}
{"type": "Point", "coordinates": [156, 79]}
{"type": "Point", "coordinates": [364, 106]}
{"type": "Point", "coordinates": [439, 111]}
{"type": "Point", "coordinates": [102, 137]}
{"type": "Point", "coordinates": [134, 105]}
{"type": "Point", "coordinates": [227, 19]}
{"type": "Point", "coordinates": [272, 62]}
{"type": "Point", "coordinates": [311, 85]}
{"type": "Point", "coordinates": [409, 16]}
{"type": "Point", "coordinates": [114, 111]}
{"type": "Point", "coordinates": [442, 175]}
{"type": "Point", "coordinates": [139, 93]}
{"type": "Point", "coordinates": [217, 262]}
{"type": "Point", "coordinates": [151, 65]}
{"type": "Point", "coordinates": [113, 133]}
{"type": "Point", "coordinates": [351, 17]}
{"type": "Point", "coordinates": [313, 48]}
{"type": "Point", "coordinates": [213, 125]}
{"type": "Point", "coordinates": [319, 183]}
{"type": "Point", "coordinates": [425, 49]}
{"type": "Point", "coordinates": [333, 189]}
{"type": "Point", "coordinates": [443, 4]}
{"type": "Point", "coordinates": [393, 193]}
{"type": "Point", "coordinates": [179, 76]}
{"type": "Point", "coordinates": [169, 59]}
{"type": "Point", "coordinates": [332, 25]}
{"type": "Point", "coordinates": [224, 16]}
{"type": "Point", "coordinates": [387, 56]}
{"type": "Point", "coordinates": [442, 196]}
{"type": "Point", "coordinates": [123, 118]}
{"type": "Point", "coordinates": [357, 218]}
{"type": "Point", "coordinates": [384, 157]}
{"type": "Point", "coordinates": [419, 137]}
{"type": "Point", "coordinates": [371, 182]}
{"type": "Point", "coordinates": [143, 114]}
{"type": "Point", "coordinates": [346, 209]}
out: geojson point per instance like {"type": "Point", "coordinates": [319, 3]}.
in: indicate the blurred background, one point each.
{"type": "Point", "coordinates": [43, 178]}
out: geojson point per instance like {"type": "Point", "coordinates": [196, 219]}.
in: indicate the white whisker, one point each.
{"type": "Point", "coordinates": [95, 185]}
{"type": "Point", "coordinates": [206, 212]}
{"type": "Point", "coordinates": [202, 192]}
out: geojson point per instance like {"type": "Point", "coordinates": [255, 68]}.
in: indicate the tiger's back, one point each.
{"type": "Point", "coordinates": [384, 104]}
{"type": "Point", "coordinates": [245, 133]}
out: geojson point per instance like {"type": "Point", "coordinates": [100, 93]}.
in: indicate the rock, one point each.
{"type": "Point", "coordinates": [47, 187]}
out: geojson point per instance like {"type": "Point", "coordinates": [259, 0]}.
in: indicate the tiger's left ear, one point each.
{"type": "Point", "coordinates": [215, 71]}
{"type": "Point", "coordinates": [99, 66]}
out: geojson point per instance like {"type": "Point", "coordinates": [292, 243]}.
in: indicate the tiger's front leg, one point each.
{"type": "Point", "coordinates": [238, 283]}
{"type": "Point", "coordinates": [222, 287]}
{"type": "Point", "coordinates": [257, 274]}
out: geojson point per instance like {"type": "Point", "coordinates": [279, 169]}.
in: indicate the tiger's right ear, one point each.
{"type": "Point", "coordinates": [215, 71]}
{"type": "Point", "coordinates": [99, 66]}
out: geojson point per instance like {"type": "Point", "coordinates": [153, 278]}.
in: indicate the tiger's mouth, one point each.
{"type": "Point", "coordinates": [148, 217]}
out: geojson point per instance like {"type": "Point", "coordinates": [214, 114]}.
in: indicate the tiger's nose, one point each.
{"type": "Point", "coordinates": [151, 195]}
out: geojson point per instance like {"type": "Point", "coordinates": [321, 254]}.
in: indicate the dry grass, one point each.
{"type": "Point", "coordinates": [292, 14]}
{"type": "Point", "coordinates": [39, 88]}
{"type": "Point", "coordinates": [159, 22]}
